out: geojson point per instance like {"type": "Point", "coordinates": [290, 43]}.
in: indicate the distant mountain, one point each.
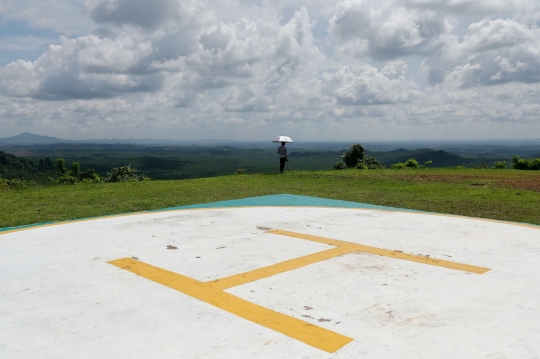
{"type": "Point", "coordinates": [27, 138]}
{"type": "Point", "coordinates": [440, 158]}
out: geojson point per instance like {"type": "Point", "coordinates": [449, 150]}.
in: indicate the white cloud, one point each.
{"type": "Point", "coordinates": [209, 68]}
{"type": "Point", "coordinates": [385, 30]}
{"type": "Point", "coordinates": [491, 52]}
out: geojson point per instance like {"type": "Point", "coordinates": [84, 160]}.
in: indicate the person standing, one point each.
{"type": "Point", "coordinates": [282, 151]}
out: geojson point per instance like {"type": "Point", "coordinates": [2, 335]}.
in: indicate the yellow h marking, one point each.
{"type": "Point", "coordinates": [212, 292]}
{"type": "Point", "coordinates": [295, 328]}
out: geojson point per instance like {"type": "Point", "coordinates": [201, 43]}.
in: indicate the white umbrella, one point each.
{"type": "Point", "coordinates": [283, 139]}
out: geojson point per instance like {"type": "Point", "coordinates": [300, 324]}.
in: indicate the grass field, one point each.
{"type": "Point", "coordinates": [496, 194]}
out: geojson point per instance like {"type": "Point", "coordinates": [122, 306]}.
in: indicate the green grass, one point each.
{"type": "Point", "coordinates": [475, 193]}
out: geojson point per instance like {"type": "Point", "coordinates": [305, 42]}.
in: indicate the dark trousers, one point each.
{"type": "Point", "coordinates": [282, 164]}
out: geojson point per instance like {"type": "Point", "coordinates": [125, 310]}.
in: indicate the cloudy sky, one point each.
{"type": "Point", "coordinates": [311, 69]}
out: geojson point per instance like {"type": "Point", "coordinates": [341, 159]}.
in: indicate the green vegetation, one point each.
{"type": "Point", "coordinates": [523, 164]}
{"type": "Point", "coordinates": [124, 174]}
{"type": "Point", "coordinates": [504, 195]}
{"type": "Point", "coordinates": [356, 157]}
{"type": "Point", "coordinates": [410, 163]}
{"type": "Point", "coordinates": [25, 169]}
{"type": "Point", "coordinates": [339, 165]}
{"type": "Point", "coordinates": [74, 175]}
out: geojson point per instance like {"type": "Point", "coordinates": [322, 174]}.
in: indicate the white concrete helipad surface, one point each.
{"type": "Point", "coordinates": [271, 282]}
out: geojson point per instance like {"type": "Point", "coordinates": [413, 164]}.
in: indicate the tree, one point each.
{"type": "Point", "coordinates": [60, 166]}
{"type": "Point", "coordinates": [354, 155]}
{"type": "Point", "coordinates": [76, 170]}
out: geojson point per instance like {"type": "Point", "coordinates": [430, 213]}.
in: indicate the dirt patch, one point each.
{"type": "Point", "coordinates": [442, 178]}
{"type": "Point", "coordinates": [530, 184]}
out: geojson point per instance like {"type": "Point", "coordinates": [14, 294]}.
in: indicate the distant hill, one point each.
{"type": "Point", "coordinates": [440, 158]}
{"type": "Point", "coordinates": [28, 138]}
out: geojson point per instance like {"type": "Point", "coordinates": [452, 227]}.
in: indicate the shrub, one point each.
{"type": "Point", "coordinates": [240, 171]}
{"type": "Point", "coordinates": [372, 163]}
{"type": "Point", "coordinates": [124, 174]}
{"type": "Point", "coordinates": [15, 183]}
{"type": "Point", "coordinates": [361, 166]}
{"type": "Point", "coordinates": [397, 166]}
{"type": "Point", "coordinates": [355, 154]}
{"type": "Point", "coordinates": [535, 164]}
{"type": "Point", "coordinates": [428, 163]}
{"type": "Point", "coordinates": [412, 163]}
{"type": "Point", "coordinates": [339, 166]}
{"type": "Point", "coordinates": [4, 183]}
{"type": "Point", "coordinates": [523, 164]}
{"type": "Point", "coordinates": [501, 165]}
{"type": "Point", "coordinates": [90, 175]}
{"type": "Point", "coordinates": [67, 179]}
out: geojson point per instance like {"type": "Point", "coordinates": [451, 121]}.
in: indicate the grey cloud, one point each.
{"type": "Point", "coordinates": [65, 86]}
{"type": "Point", "coordinates": [520, 65]}
{"type": "Point", "coordinates": [394, 69]}
{"type": "Point", "coordinates": [492, 52]}
{"type": "Point", "coordinates": [249, 99]}
{"type": "Point", "coordinates": [461, 7]}
{"type": "Point", "coordinates": [363, 85]}
{"type": "Point", "coordinates": [383, 30]}
{"type": "Point", "coordinates": [142, 13]}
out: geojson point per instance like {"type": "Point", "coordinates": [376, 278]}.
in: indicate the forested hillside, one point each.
{"type": "Point", "coordinates": [13, 167]}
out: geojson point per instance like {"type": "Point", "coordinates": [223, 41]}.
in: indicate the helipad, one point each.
{"type": "Point", "coordinates": [271, 277]}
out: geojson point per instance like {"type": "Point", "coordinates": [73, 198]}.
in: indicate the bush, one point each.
{"type": "Point", "coordinates": [67, 179]}
{"type": "Point", "coordinates": [410, 163]}
{"type": "Point", "coordinates": [372, 163]}
{"type": "Point", "coordinates": [361, 166]}
{"type": "Point", "coordinates": [355, 154]}
{"type": "Point", "coordinates": [15, 183]}
{"type": "Point", "coordinates": [428, 163]}
{"type": "Point", "coordinates": [240, 171]}
{"type": "Point", "coordinates": [4, 183]}
{"type": "Point", "coordinates": [397, 166]}
{"type": "Point", "coordinates": [339, 166]}
{"type": "Point", "coordinates": [523, 164]}
{"type": "Point", "coordinates": [501, 165]}
{"type": "Point", "coordinates": [124, 174]}
{"type": "Point", "coordinates": [89, 176]}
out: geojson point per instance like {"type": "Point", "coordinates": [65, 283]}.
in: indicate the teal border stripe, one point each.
{"type": "Point", "coordinates": [284, 200]}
